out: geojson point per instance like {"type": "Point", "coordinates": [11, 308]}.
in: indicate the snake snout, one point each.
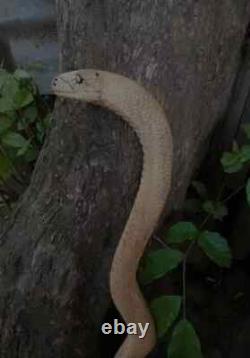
{"type": "Point", "coordinates": [54, 82]}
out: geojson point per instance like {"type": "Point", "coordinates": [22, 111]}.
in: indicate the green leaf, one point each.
{"type": "Point", "coordinates": [31, 113]}
{"type": "Point", "coordinates": [182, 231]}
{"type": "Point", "coordinates": [200, 188]}
{"type": "Point", "coordinates": [24, 149]}
{"type": "Point", "coordinates": [216, 248]}
{"type": "Point", "coordinates": [231, 162]}
{"type": "Point", "coordinates": [31, 154]}
{"type": "Point", "coordinates": [5, 167]}
{"type": "Point", "coordinates": [184, 342]}
{"type": "Point", "coordinates": [5, 124]}
{"type": "Point", "coordinates": [248, 191]}
{"type": "Point", "coordinates": [4, 76]}
{"type": "Point", "coordinates": [14, 140]}
{"type": "Point", "coordinates": [245, 153]}
{"type": "Point", "coordinates": [8, 89]}
{"type": "Point", "coordinates": [22, 124]}
{"type": "Point", "coordinates": [215, 208]}
{"type": "Point", "coordinates": [158, 263]}
{"type": "Point", "coordinates": [13, 94]}
{"type": "Point", "coordinates": [22, 98]}
{"type": "Point", "coordinates": [165, 310]}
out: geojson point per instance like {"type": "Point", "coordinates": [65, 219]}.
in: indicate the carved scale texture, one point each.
{"type": "Point", "coordinates": [143, 113]}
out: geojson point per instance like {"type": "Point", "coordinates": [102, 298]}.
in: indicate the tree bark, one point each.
{"type": "Point", "coordinates": [56, 254]}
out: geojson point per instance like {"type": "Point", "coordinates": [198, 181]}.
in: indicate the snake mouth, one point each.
{"type": "Point", "coordinates": [61, 85]}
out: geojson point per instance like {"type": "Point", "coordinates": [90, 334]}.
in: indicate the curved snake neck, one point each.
{"type": "Point", "coordinates": [143, 113]}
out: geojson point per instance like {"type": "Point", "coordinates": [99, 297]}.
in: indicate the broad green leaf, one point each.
{"type": "Point", "coordinates": [4, 76]}
{"type": "Point", "coordinates": [8, 89]}
{"type": "Point", "coordinates": [245, 153]}
{"type": "Point", "coordinates": [158, 263]}
{"type": "Point", "coordinates": [182, 231]}
{"type": "Point", "coordinates": [165, 310]}
{"type": "Point", "coordinates": [184, 342]}
{"type": "Point", "coordinates": [24, 149]}
{"type": "Point", "coordinates": [216, 248]}
{"type": "Point", "coordinates": [22, 124]}
{"type": "Point", "coordinates": [5, 167]}
{"type": "Point", "coordinates": [248, 191]}
{"type": "Point", "coordinates": [200, 188]}
{"type": "Point", "coordinates": [6, 104]}
{"type": "Point", "coordinates": [215, 208]}
{"type": "Point", "coordinates": [13, 95]}
{"type": "Point", "coordinates": [231, 162]}
{"type": "Point", "coordinates": [30, 113]}
{"type": "Point", "coordinates": [22, 98]}
{"type": "Point", "coordinates": [14, 140]}
{"type": "Point", "coordinates": [5, 124]}
{"type": "Point", "coordinates": [31, 154]}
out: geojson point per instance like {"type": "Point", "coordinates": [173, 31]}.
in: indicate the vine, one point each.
{"type": "Point", "coordinates": [170, 311]}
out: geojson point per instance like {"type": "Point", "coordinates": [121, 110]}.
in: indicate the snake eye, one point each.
{"type": "Point", "coordinates": [79, 79]}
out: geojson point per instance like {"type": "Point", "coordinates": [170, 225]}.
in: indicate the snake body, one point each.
{"type": "Point", "coordinates": [143, 113]}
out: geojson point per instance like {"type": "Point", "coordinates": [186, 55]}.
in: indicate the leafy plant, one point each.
{"type": "Point", "coordinates": [170, 305]}
{"type": "Point", "coordinates": [239, 160]}
{"type": "Point", "coordinates": [158, 263]}
{"type": "Point", "coordinates": [203, 204]}
{"type": "Point", "coordinates": [166, 309]}
{"type": "Point", "coordinates": [170, 311]}
{"type": "Point", "coordinates": [185, 342]}
{"type": "Point", "coordinates": [24, 120]}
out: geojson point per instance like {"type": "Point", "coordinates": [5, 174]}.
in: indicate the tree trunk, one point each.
{"type": "Point", "coordinates": [56, 254]}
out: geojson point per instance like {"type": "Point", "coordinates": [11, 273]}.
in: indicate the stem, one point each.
{"type": "Point", "coordinates": [184, 273]}
{"type": "Point", "coordinates": [205, 221]}
{"type": "Point", "coordinates": [156, 238]}
{"type": "Point", "coordinates": [233, 193]}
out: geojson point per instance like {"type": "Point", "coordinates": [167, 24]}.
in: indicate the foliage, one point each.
{"type": "Point", "coordinates": [158, 263]}
{"type": "Point", "coordinates": [170, 305]}
{"type": "Point", "coordinates": [24, 120]}
{"type": "Point", "coordinates": [182, 231]}
{"type": "Point", "coordinates": [178, 243]}
{"type": "Point", "coordinates": [203, 204]}
{"type": "Point", "coordinates": [215, 247]}
{"type": "Point", "coordinates": [185, 342]}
